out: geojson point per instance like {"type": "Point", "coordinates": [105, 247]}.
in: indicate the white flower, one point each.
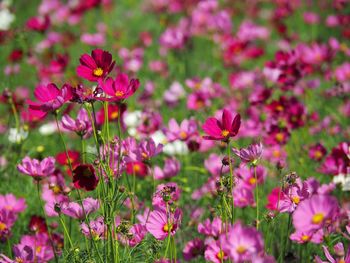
{"type": "Point", "coordinates": [6, 18]}
{"type": "Point", "coordinates": [343, 180]}
{"type": "Point", "coordinates": [176, 148]}
{"type": "Point", "coordinates": [48, 128]}
{"type": "Point", "coordinates": [17, 136]}
{"type": "Point", "coordinates": [132, 119]}
{"type": "Point", "coordinates": [159, 137]}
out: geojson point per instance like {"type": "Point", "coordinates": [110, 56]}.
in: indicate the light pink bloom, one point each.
{"type": "Point", "coordinates": [37, 169]}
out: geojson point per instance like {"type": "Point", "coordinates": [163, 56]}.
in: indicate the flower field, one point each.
{"type": "Point", "coordinates": [174, 131]}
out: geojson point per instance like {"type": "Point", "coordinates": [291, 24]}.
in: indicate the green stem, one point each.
{"type": "Point", "coordinates": [66, 231]}
{"type": "Point", "coordinates": [231, 181]}
{"type": "Point", "coordinates": [46, 222]}
{"type": "Point", "coordinates": [256, 197]}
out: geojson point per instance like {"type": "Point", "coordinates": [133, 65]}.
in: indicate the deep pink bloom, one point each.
{"type": "Point", "coordinates": [211, 229]}
{"type": "Point", "coordinates": [95, 67]}
{"type": "Point", "coordinates": [317, 152]}
{"type": "Point", "coordinates": [137, 168]}
{"type": "Point", "coordinates": [37, 169]}
{"type": "Point", "coordinates": [50, 98]}
{"type": "Point", "coordinates": [39, 24]}
{"type": "Point", "coordinates": [160, 223]}
{"type": "Point", "coordinates": [315, 213]}
{"type": "Point", "coordinates": [224, 129]}
{"type": "Point", "coordinates": [193, 249]}
{"type": "Point", "coordinates": [121, 88]}
{"type": "Point", "coordinates": [312, 236]}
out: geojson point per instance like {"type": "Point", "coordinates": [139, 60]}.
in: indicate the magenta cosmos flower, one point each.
{"type": "Point", "coordinates": [50, 98]}
{"type": "Point", "coordinates": [120, 88]}
{"type": "Point", "coordinates": [160, 223]}
{"type": "Point", "coordinates": [95, 67]}
{"type": "Point", "coordinates": [37, 169]}
{"type": "Point", "coordinates": [224, 129]}
{"type": "Point", "coordinates": [315, 212]}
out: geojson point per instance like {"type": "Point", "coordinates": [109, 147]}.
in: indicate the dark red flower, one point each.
{"type": "Point", "coordinates": [84, 177]}
{"type": "Point", "coordinates": [37, 224]}
{"type": "Point", "coordinates": [95, 67]}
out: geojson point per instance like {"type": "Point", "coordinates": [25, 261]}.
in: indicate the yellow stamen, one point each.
{"type": "Point", "coordinates": [252, 180]}
{"type": "Point", "coordinates": [38, 249]}
{"type": "Point", "coordinates": [241, 249]}
{"type": "Point", "coordinates": [137, 168]}
{"type": "Point", "coordinates": [167, 227]}
{"type": "Point", "coordinates": [2, 226]}
{"type": "Point", "coordinates": [114, 114]}
{"type": "Point", "coordinates": [224, 133]}
{"type": "Point", "coordinates": [305, 238]}
{"type": "Point", "coordinates": [220, 255]}
{"type": "Point", "coordinates": [98, 72]}
{"type": "Point", "coordinates": [119, 93]}
{"type": "Point", "coordinates": [317, 218]}
{"type": "Point", "coordinates": [183, 135]}
{"type": "Point", "coordinates": [279, 137]}
{"type": "Point", "coordinates": [296, 199]}
{"type": "Point", "coordinates": [318, 154]}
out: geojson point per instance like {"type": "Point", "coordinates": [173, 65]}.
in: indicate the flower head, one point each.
{"type": "Point", "coordinates": [224, 129]}
{"type": "Point", "coordinates": [37, 169]}
{"type": "Point", "coordinates": [251, 154]}
{"type": "Point", "coordinates": [84, 177]}
{"type": "Point", "coordinates": [120, 88]}
{"type": "Point", "coordinates": [95, 67]}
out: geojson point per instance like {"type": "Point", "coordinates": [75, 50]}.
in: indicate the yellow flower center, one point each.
{"type": "Point", "coordinates": [98, 72]}
{"type": "Point", "coordinates": [114, 114]}
{"type": "Point", "coordinates": [252, 181]}
{"type": "Point", "coordinates": [38, 249]}
{"type": "Point", "coordinates": [241, 249]}
{"type": "Point", "coordinates": [8, 207]}
{"type": "Point", "coordinates": [220, 255]}
{"type": "Point", "coordinates": [276, 154]}
{"type": "Point", "coordinates": [296, 199]}
{"type": "Point", "coordinates": [2, 226]}
{"type": "Point", "coordinates": [279, 137]}
{"type": "Point", "coordinates": [305, 238]}
{"type": "Point", "coordinates": [19, 260]}
{"type": "Point", "coordinates": [279, 108]}
{"type": "Point", "coordinates": [56, 189]}
{"type": "Point", "coordinates": [167, 228]}
{"type": "Point", "coordinates": [119, 93]}
{"type": "Point", "coordinates": [224, 133]}
{"type": "Point", "coordinates": [183, 135]}
{"type": "Point", "coordinates": [137, 168]}
{"type": "Point", "coordinates": [318, 154]}
{"type": "Point", "coordinates": [317, 218]}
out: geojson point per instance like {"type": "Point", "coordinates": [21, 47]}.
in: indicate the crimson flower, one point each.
{"type": "Point", "coordinates": [120, 88]}
{"type": "Point", "coordinates": [95, 67]}
{"type": "Point", "coordinates": [84, 177]}
{"type": "Point", "coordinates": [224, 129]}
{"type": "Point", "coordinates": [50, 98]}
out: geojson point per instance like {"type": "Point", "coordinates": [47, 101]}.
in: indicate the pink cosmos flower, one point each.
{"type": "Point", "coordinates": [37, 169]}
{"type": "Point", "coordinates": [161, 223]}
{"type": "Point", "coordinates": [81, 125]}
{"type": "Point", "coordinates": [315, 213]}
{"type": "Point", "coordinates": [317, 152]}
{"type": "Point", "coordinates": [39, 24]}
{"type": "Point", "coordinates": [9, 202]}
{"type": "Point", "coordinates": [136, 234]}
{"type": "Point", "coordinates": [95, 67]}
{"type": "Point", "coordinates": [339, 257]}
{"type": "Point", "coordinates": [243, 196]}
{"type": "Point", "coordinates": [292, 195]}
{"type": "Point", "coordinates": [224, 129]}
{"type": "Point", "coordinates": [97, 227]}
{"type": "Point", "coordinates": [251, 154]}
{"type": "Point", "coordinates": [302, 237]}
{"type": "Point", "coordinates": [193, 249]}
{"type": "Point", "coordinates": [211, 229]}
{"type": "Point", "coordinates": [242, 243]}
{"type": "Point", "coordinates": [166, 193]}
{"type": "Point", "coordinates": [214, 253]}
{"type": "Point", "coordinates": [7, 220]}
{"type": "Point", "coordinates": [182, 132]}
{"type": "Point", "coordinates": [75, 210]}
{"type": "Point", "coordinates": [50, 98]}
{"type": "Point", "coordinates": [120, 88]}
{"type": "Point", "coordinates": [171, 168]}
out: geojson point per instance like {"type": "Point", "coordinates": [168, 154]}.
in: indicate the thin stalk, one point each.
{"type": "Point", "coordinates": [256, 197]}
{"type": "Point", "coordinates": [66, 231]}
{"type": "Point", "coordinates": [46, 222]}
{"type": "Point", "coordinates": [231, 181]}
